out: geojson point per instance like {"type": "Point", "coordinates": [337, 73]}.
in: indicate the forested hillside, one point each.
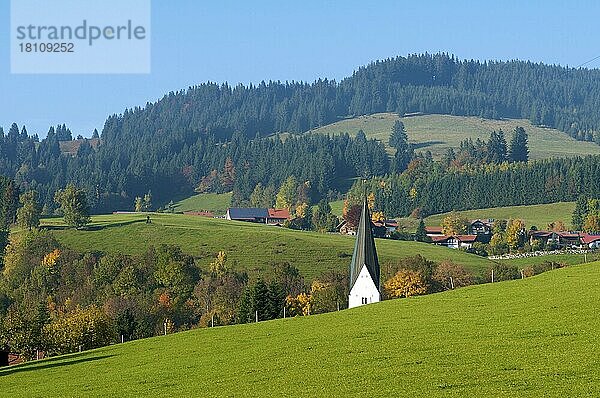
{"type": "Point", "coordinates": [211, 132]}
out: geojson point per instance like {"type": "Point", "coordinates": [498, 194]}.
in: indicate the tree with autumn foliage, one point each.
{"type": "Point", "coordinates": [449, 275]}
{"type": "Point", "coordinates": [28, 215]}
{"type": "Point", "coordinates": [74, 206]}
{"type": "Point", "coordinates": [515, 235]}
{"type": "Point", "coordinates": [351, 213]}
{"type": "Point", "coordinates": [405, 283]}
{"type": "Point", "coordinates": [455, 224]}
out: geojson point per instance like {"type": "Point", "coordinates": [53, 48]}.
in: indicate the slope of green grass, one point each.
{"type": "Point", "coordinates": [538, 215]}
{"type": "Point", "coordinates": [527, 338]}
{"type": "Point", "coordinates": [337, 207]}
{"type": "Point", "coordinates": [215, 202]}
{"type": "Point", "coordinates": [252, 246]}
{"type": "Point", "coordinates": [440, 132]}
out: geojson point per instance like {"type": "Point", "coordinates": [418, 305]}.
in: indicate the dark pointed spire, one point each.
{"type": "Point", "coordinates": [364, 249]}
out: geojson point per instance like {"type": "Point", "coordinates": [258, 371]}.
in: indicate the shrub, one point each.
{"type": "Point", "coordinates": [449, 275]}
{"type": "Point", "coordinates": [405, 283]}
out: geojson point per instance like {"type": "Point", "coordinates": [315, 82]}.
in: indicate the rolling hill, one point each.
{"type": "Point", "coordinates": [214, 202]}
{"type": "Point", "coordinates": [437, 133]}
{"type": "Point", "coordinates": [526, 338]}
{"type": "Point", "coordinates": [251, 246]}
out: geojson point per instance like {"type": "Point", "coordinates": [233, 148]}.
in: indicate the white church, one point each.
{"type": "Point", "coordinates": [364, 268]}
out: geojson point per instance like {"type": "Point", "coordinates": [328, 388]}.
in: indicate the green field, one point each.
{"type": "Point", "coordinates": [337, 207]}
{"type": "Point", "coordinates": [252, 246]}
{"type": "Point", "coordinates": [526, 338]}
{"type": "Point", "coordinates": [214, 202]}
{"type": "Point", "coordinates": [538, 215]}
{"type": "Point", "coordinates": [440, 132]}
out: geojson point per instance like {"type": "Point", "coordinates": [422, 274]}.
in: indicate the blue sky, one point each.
{"type": "Point", "coordinates": [196, 41]}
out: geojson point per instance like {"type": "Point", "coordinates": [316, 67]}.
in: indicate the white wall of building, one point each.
{"type": "Point", "coordinates": [364, 290]}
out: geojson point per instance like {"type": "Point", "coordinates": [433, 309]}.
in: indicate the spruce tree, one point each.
{"type": "Point", "coordinates": [519, 149]}
{"type": "Point", "coordinates": [404, 151]}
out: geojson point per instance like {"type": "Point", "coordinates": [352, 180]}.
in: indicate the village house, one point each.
{"type": "Point", "coordinates": [258, 215]}
{"type": "Point", "coordinates": [381, 229]}
{"type": "Point", "coordinates": [562, 240]}
{"type": "Point", "coordinates": [455, 241]}
{"type": "Point", "coordinates": [481, 228]}
{"type": "Point", "coordinates": [278, 216]}
{"type": "Point", "coordinates": [434, 232]}
{"type": "Point", "coordinates": [591, 241]}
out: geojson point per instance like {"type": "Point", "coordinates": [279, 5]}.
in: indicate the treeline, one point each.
{"type": "Point", "coordinates": [550, 95]}
{"type": "Point", "coordinates": [56, 300]}
{"type": "Point", "coordinates": [114, 176]}
{"type": "Point", "coordinates": [427, 187]}
{"type": "Point", "coordinates": [170, 145]}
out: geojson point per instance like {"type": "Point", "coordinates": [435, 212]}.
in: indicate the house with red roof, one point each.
{"type": "Point", "coordinates": [278, 216]}
{"type": "Point", "coordinates": [591, 241]}
{"type": "Point", "coordinates": [454, 241]}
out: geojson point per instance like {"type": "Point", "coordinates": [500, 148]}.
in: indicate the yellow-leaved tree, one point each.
{"type": "Point", "coordinates": [405, 283]}
{"type": "Point", "coordinates": [454, 224]}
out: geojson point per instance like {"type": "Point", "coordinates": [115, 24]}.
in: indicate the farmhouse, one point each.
{"type": "Point", "coordinates": [455, 241]}
{"type": "Point", "coordinates": [251, 214]}
{"type": "Point", "coordinates": [277, 216]}
{"type": "Point", "coordinates": [591, 241]}
{"type": "Point", "coordinates": [481, 227]}
{"type": "Point", "coordinates": [258, 215]}
{"type": "Point", "coordinates": [559, 239]}
{"type": "Point", "coordinates": [364, 267]}
{"type": "Point", "coordinates": [434, 232]}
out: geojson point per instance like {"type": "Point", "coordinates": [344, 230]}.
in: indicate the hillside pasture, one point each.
{"type": "Point", "coordinates": [526, 338]}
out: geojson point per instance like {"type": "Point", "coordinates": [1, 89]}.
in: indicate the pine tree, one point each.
{"type": "Point", "coordinates": [404, 150]}
{"type": "Point", "coordinates": [519, 149]}
{"type": "Point", "coordinates": [421, 234]}
{"type": "Point", "coordinates": [398, 135]}
{"type": "Point", "coordinates": [581, 209]}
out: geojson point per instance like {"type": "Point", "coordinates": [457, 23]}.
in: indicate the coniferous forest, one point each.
{"type": "Point", "coordinates": [172, 146]}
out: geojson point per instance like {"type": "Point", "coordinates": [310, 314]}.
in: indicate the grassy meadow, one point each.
{"type": "Point", "coordinates": [251, 246]}
{"type": "Point", "coordinates": [216, 202]}
{"type": "Point", "coordinates": [437, 133]}
{"type": "Point", "coordinates": [525, 338]}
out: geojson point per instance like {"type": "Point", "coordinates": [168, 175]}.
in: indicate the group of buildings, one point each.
{"type": "Point", "coordinates": [482, 230]}
{"type": "Point", "coordinates": [258, 215]}
{"type": "Point", "coordinates": [479, 230]}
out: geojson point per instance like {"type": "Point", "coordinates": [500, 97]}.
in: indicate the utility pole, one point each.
{"type": "Point", "coordinates": [492, 275]}
{"type": "Point", "coordinates": [256, 314]}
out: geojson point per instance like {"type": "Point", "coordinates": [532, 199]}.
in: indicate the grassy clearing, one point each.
{"type": "Point", "coordinates": [538, 215]}
{"type": "Point", "coordinates": [526, 338]}
{"type": "Point", "coordinates": [252, 246]}
{"type": "Point", "coordinates": [337, 207]}
{"type": "Point", "coordinates": [440, 132]}
{"type": "Point", "coordinates": [215, 202]}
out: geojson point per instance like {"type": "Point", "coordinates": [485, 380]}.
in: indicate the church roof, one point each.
{"type": "Point", "coordinates": [364, 249]}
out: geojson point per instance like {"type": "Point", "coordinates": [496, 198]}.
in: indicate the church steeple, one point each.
{"type": "Point", "coordinates": [365, 264]}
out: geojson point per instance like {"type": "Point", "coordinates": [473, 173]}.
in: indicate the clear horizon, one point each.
{"type": "Point", "coordinates": [246, 43]}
